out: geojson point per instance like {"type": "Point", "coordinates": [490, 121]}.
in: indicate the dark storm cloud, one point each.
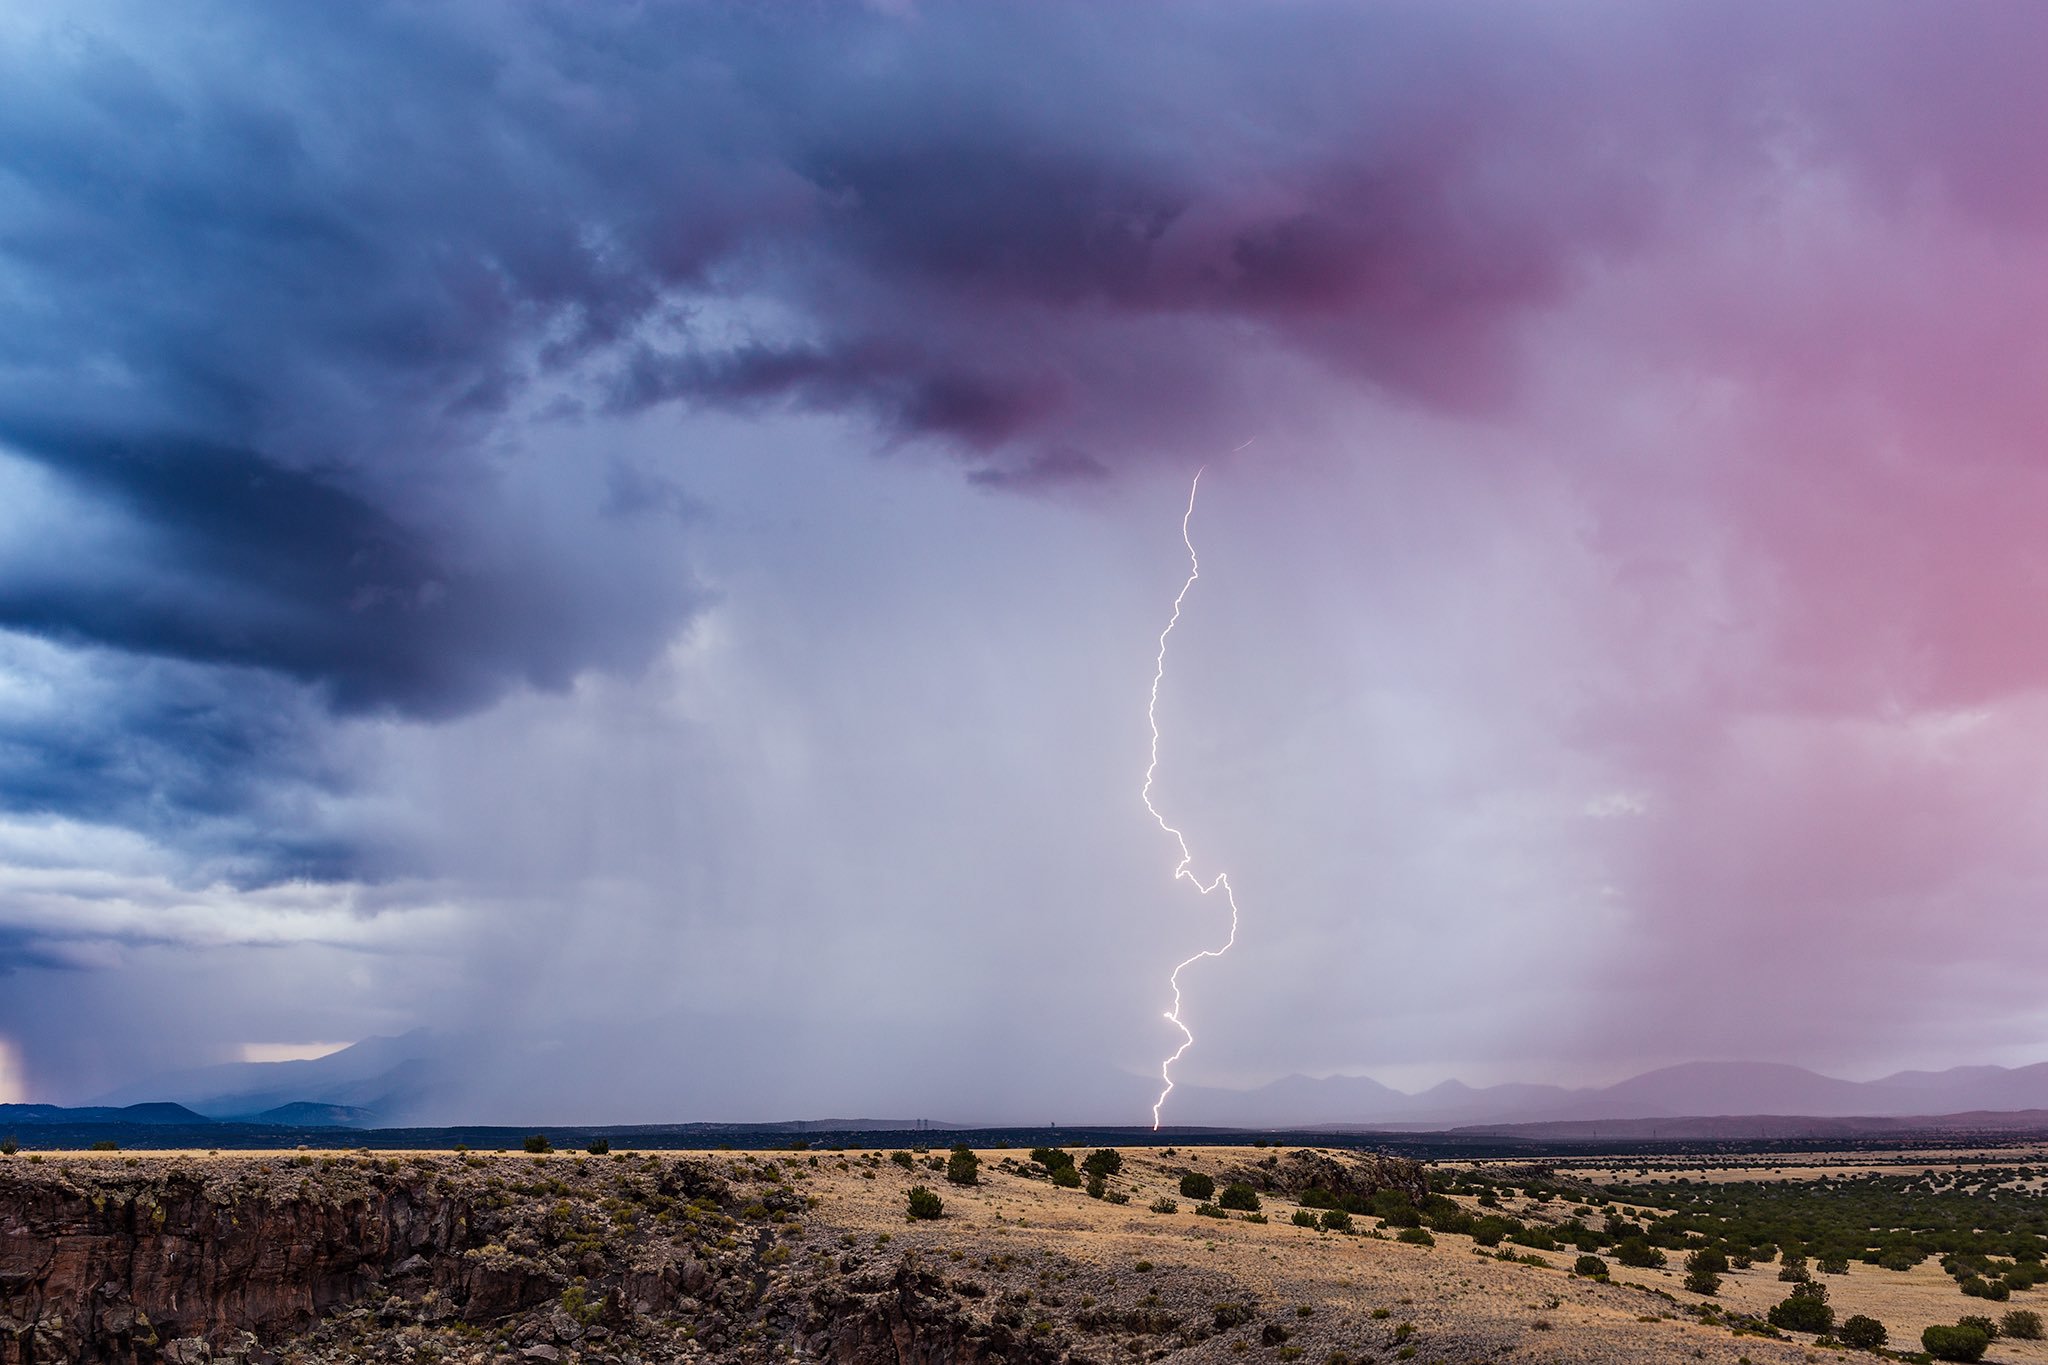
{"type": "Point", "coordinates": [281, 282]}
{"type": "Point", "coordinates": [22, 949]}
{"type": "Point", "coordinates": [252, 564]}
{"type": "Point", "coordinates": [227, 765]}
{"type": "Point", "coordinates": [291, 288]}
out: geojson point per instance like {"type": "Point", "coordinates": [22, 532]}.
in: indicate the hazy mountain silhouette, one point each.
{"type": "Point", "coordinates": [1690, 1089]}
{"type": "Point", "coordinates": [375, 1081]}
{"type": "Point", "coordinates": [397, 1081]}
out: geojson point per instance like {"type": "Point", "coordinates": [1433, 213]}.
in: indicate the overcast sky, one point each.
{"type": "Point", "coordinates": [640, 532]}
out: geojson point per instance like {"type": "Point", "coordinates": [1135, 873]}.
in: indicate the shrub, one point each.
{"type": "Point", "coordinates": [925, 1204]}
{"type": "Point", "coordinates": [1195, 1185]}
{"type": "Point", "coordinates": [1794, 1274]}
{"type": "Point", "coordinates": [1396, 1209]}
{"type": "Point", "coordinates": [1306, 1218]}
{"type": "Point", "coordinates": [599, 1146]}
{"type": "Point", "coordinates": [1703, 1270]}
{"type": "Point", "coordinates": [1955, 1343]}
{"type": "Point", "coordinates": [539, 1145]}
{"type": "Point", "coordinates": [1066, 1177]}
{"type": "Point", "coordinates": [8, 1146]}
{"type": "Point", "coordinates": [1984, 1325]}
{"type": "Point", "coordinates": [1209, 1211]}
{"type": "Point", "coordinates": [1589, 1266]}
{"type": "Point", "coordinates": [1862, 1332]}
{"type": "Point", "coordinates": [106, 1145]}
{"type": "Point", "coordinates": [1104, 1161]}
{"type": "Point", "coordinates": [903, 1159]}
{"type": "Point", "coordinates": [1243, 1198]}
{"type": "Point", "coordinates": [1229, 1315]}
{"type": "Point", "coordinates": [1052, 1158]}
{"type": "Point", "coordinates": [1335, 1220]}
{"type": "Point", "coordinates": [1416, 1236]}
{"type": "Point", "coordinates": [2022, 1324]}
{"type": "Point", "coordinates": [1097, 1186]}
{"type": "Point", "coordinates": [1163, 1205]}
{"type": "Point", "coordinates": [1637, 1253]}
{"type": "Point", "coordinates": [1834, 1265]}
{"type": "Point", "coordinates": [1802, 1313]}
{"type": "Point", "coordinates": [963, 1167]}
{"type": "Point", "coordinates": [1709, 1259]}
{"type": "Point", "coordinates": [1488, 1231]}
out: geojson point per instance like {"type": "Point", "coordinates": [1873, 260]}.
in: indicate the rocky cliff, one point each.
{"type": "Point", "coordinates": [458, 1258]}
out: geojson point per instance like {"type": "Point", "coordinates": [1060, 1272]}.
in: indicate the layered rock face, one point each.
{"type": "Point", "coordinates": [185, 1260]}
{"type": "Point", "coordinates": [105, 1270]}
{"type": "Point", "coordinates": [1353, 1175]}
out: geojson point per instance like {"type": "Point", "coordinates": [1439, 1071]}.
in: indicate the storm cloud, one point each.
{"type": "Point", "coordinates": [425, 436]}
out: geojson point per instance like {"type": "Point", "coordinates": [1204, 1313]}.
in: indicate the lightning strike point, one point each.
{"type": "Point", "coordinates": [1180, 872]}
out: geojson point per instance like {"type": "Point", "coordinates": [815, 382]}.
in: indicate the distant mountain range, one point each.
{"type": "Point", "coordinates": [1695, 1089]}
{"type": "Point", "coordinates": [408, 1080]}
{"type": "Point", "coordinates": [378, 1081]}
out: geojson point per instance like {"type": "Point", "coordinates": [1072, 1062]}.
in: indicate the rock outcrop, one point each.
{"type": "Point", "coordinates": [1357, 1175]}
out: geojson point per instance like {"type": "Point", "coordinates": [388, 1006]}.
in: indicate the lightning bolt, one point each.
{"type": "Point", "coordinates": [1180, 871]}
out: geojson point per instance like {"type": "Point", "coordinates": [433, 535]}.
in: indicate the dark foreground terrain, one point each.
{"type": "Point", "coordinates": [508, 1259]}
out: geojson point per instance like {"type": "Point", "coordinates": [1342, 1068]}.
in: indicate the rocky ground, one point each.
{"type": "Point", "coordinates": [491, 1259]}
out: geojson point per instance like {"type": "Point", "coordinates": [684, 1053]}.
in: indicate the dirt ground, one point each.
{"type": "Point", "coordinates": [1102, 1277]}
{"type": "Point", "coordinates": [1461, 1304]}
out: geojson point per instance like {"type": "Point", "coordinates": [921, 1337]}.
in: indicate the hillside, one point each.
{"type": "Point", "coordinates": [469, 1259]}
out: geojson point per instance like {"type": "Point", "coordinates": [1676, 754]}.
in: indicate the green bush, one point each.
{"type": "Point", "coordinates": [8, 1146]}
{"type": "Point", "coordinates": [1803, 1312]}
{"type": "Point", "coordinates": [1104, 1161]}
{"type": "Point", "coordinates": [904, 1159]}
{"type": "Point", "coordinates": [1488, 1231]}
{"type": "Point", "coordinates": [1053, 1158]}
{"type": "Point", "coordinates": [925, 1204]}
{"type": "Point", "coordinates": [539, 1145]}
{"type": "Point", "coordinates": [2021, 1324]}
{"type": "Point", "coordinates": [1703, 1282]}
{"type": "Point", "coordinates": [1243, 1198]}
{"type": "Point", "coordinates": [1097, 1186]}
{"type": "Point", "coordinates": [1066, 1177]}
{"type": "Point", "coordinates": [1862, 1332]}
{"type": "Point", "coordinates": [1416, 1236]}
{"type": "Point", "coordinates": [1396, 1209]}
{"type": "Point", "coordinates": [1637, 1253]}
{"type": "Point", "coordinates": [1589, 1266]}
{"type": "Point", "coordinates": [1305, 1218]}
{"type": "Point", "coordinates": [1195, 1185]}
{"type": "Point", "coordinates": [1163, 1205]}
{"type": "Point", "coordinates": [1336, 1220]}
{"type": "Point", "coordinates": [963, 1167]}
{"type": "Point", "coordinates": [599, 1146]}
{"type": "Point", "coordinates": [1955, 1343]}
{"type": "Point", "coordinates": [1209, 1211]}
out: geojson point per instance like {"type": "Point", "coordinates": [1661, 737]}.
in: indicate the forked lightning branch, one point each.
{"type": "Point", "coordinates": [1180, 871]}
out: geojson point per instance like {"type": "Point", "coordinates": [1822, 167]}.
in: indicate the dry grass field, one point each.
{"type": "Point", "coordinates": [1104, 1281]}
